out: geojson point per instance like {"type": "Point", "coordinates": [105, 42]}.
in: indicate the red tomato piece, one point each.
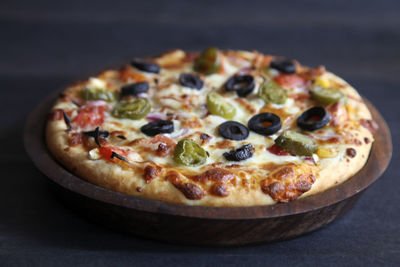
{"type": "Point", "coordinates": [290, 80]}
{"type": "Point", "coordinates": [277, 150]}
{"type": "Point", "coordinates": [90, 116]}
{"type": "Point", "coordinates": [106, 152]}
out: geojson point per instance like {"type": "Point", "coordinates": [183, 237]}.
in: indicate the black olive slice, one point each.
{"type": "Point", "coordinates": [256, 123]}
{"type": "Point", "coordinates": [242, 84]}
{"type": "Point", "coordinates": [233, 130]}
{"type": "Point", "coordinates": [145, 66]}
{"type": "Point", "coordinates": [191, 81]}
{"type": "Point", "coordinates": [134, 89]}
{"type": "Point", "coordinates": [242, 153]}
{"type": "Point", "coordinates": [158, 127]}
{"type": "Point", "coordinates": [285, 66]}
{"type": "Point", "coordinates": [313, 119]}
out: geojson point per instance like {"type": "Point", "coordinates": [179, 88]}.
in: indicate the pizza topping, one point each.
{"type": "Point", "coordinates": [290, 80]}
{"type": "Point", "coordinates": [67, 121]}
{"type": "Point", "coordinates": [89, 116]}
{"type": "Point", "coordinates": [135, 110]}
{"type": "Point", "coordinates": [190, 80]}
{"type": "Point", "coordinates": [297, 143]}
{"type": "Point", "coordinates": [271, 92]}
{"type": "Point", "coordinates": [56, 114]}
{"type": "Point", "coordinates": [242, 84]}
{"type": "Point", "coordinates": [188, 153]}
{"type": "Point", "coordinates": [145, 66]}
{"type": "Point", "coordinates": [369, 124]}
{"type": "Point", "coordinates": [313, 119]}
{"type": "Point", "coordinates": [217, 105]}
{"type": "Point", "coordinates": [75, 139]}
{"type": "Point", "coordinates": [351, 152]}
{"type": "Point", "coordinates": [157, 127]}
{"type": "Point", "coordinates": [326, 96]}
{"type": "Point", "coordinates": [151, 172]}
{"type": "Point", "coordinates": [326, 152]}
{"type": "Point", "coordinates": [134, 89]}
{"type": "Point", "coordinates": [92, 93]}
{"type": "Point", "coordinates": [285, 66]}
{"type": "Point", "coordinates": [277, 150]}
{"type": "Point", "coordinates": [208, 62]}
{"type": "Point", "coordinates": [265, 123]}
{"type": "Point", "coordinates": [242, 153]}
{"type": "Point", "coordinates": [338, 114]}
{"type": "Point", "coordinates": [233, 130]}
{"type": "Point", "coordinates": [96, 134]}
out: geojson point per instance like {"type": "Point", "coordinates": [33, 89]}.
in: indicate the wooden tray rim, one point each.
{"type": "Point", "coordinates": [37, 151]}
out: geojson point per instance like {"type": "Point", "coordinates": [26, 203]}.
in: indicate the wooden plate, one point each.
{"type": "Point", "coordinates": [204, 225]}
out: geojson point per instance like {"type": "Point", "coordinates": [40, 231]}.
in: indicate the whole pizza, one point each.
{"type": "Point", "coordinates": [216, 128]}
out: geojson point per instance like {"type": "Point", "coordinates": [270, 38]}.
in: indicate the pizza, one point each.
{"type": "Point", "coordinates": [212, 128]}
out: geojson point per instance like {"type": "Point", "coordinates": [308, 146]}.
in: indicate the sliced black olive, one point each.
{"type": "Point", "coordinates": [191, 81]}
{"type": "Point", "coordinates": [257, 123]}
{"type": "Point", "coordinates": [233, 130]}
{"type": "Point", "coordinates": [242, 84]}
{"type": "Point", "coordinates": [134, 89]}
{"type": "Point", "coordinates": [158, 127]}
{"type": "Point", "coordinates": [67, 121]}
{"type": "Point", "coordinates": [313, 119]}
{"type": "Point", "coordinates": [115, 155]}
{"type": "Point", "coordinates": [145, 66]}
{"type": "Point", "coordinates": [242, 153]}
{"type": "Point", "coordinates": [285, 66]}
{"type": "Point", "coordinates": [96, 134]}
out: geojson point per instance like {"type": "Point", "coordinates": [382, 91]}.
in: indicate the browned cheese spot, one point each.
{"type": "Point", "coordinates": [216, 175]}
{"type": "Point", "coordinates": [351, 152]}
{"type": "Point", "coordinates": [151, 172]}
{"type": "Point", "coordinates": [288, 183]}
{"type": "Point", "coordinates": [220, 190]}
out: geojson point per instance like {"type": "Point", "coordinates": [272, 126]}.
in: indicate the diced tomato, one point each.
{"type": "Point", "coordinates": [90, 116]}
{"type": "Point", "coordinates": [106, 152]}
{"type": "Point", "coordinates": [290, 80]}
{"type": "Point", "coordinates": [277, 150]}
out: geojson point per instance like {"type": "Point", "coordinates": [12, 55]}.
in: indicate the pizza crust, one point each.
{"type": "Point", "coordinates": [130, 180]}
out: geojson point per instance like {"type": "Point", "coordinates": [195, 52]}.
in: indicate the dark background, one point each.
{"type": "Point", "coordinates": [47, 44]}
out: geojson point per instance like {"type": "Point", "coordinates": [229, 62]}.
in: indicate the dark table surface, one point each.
{"type": "Point", "coordinates": [49, 44]}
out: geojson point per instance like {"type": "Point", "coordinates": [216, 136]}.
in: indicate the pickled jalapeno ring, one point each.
{"type": "Point", "coordinates": [233, 130]}
{"type": "Point", "coordinates": [313, 119]}
{"type": "Point", "coordinates": [242, 84]}
{"type": "Point", "coordinates": [98, 94]}
{"type": "Point", "coordinates": [190, 80]}
{"type": "Point", "coordinates": [271, 92]}
{"type": "Point", "coordinates": [208, 62]}
{"type": "Point", "coordinates": [265, 123]}
{"type": "Point", "coordinates": [134, 89]}
{"type": "Point", "coordinates": [217, 105]}
{"type": "Point", "coordinates": [157, 127]}
{"type": "Point", "coordinates": [285, 66]}
{"type": "Point", "coordinates": [296, 143]}
{"type": "Point", "coordinates": [132, 110]}
{"type": "Point", "coordinates": [326, 96]}
{"type": "Point", "coordinates": [242, 153]}
{"type": "Point", "coordinates": [188, 153]}
{"type": "Point", "coordinates": [145, 66]}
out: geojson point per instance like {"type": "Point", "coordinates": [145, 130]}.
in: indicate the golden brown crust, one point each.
{"type": "Point", "coordinates": [215, 184]}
